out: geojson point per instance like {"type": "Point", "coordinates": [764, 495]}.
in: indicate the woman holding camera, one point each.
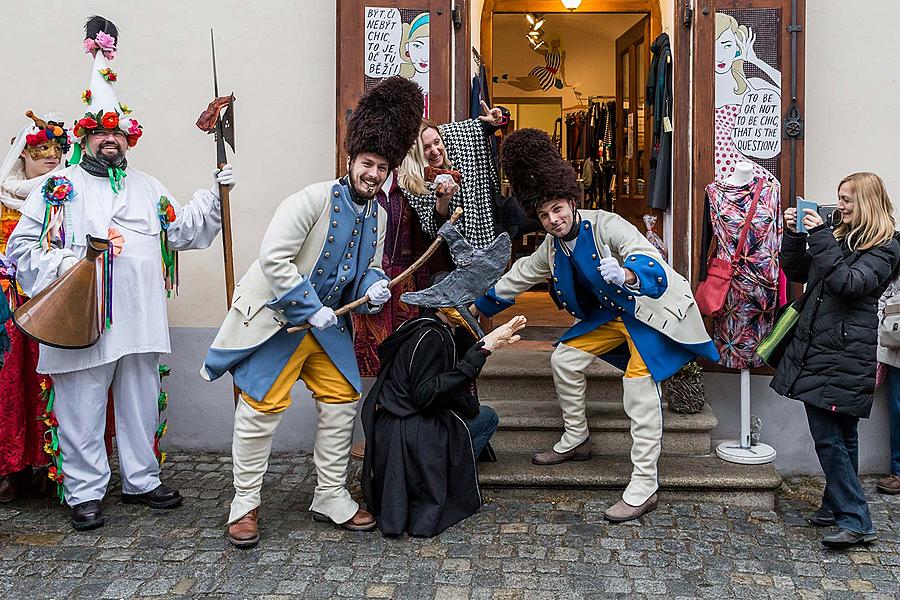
{"type": "Point", "coordinates": [829, 363]}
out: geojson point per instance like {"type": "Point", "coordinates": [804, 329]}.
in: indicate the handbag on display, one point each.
{"type": "Point", "coordinates": [711, 292]}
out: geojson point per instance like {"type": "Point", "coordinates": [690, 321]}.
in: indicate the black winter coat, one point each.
{"type": "Point", "coordinates": [830, 362]}
{"type": "Point", "coordinates": [419, 472]}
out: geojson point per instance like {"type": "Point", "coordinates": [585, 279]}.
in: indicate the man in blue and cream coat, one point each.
{"type": "Point", "coordinates": [621, 292]}
{"type": "Point", "coordinates": [322, 250]}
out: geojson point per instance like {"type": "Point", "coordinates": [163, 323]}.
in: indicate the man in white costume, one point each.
{"type": "Point", "coordinates": [323, 249]}
{"type": "Point", "coordinates": [109, 199]}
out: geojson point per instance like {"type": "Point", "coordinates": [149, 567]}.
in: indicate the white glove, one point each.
{"type": "Point", "coordinates": [378, 293]}
{"type": "Point", "coordinates": [65, 264]}
{"type": "Point", "coordinates": [323, 318]}
{"type": "Point", "coordinates": [611, 271]}
{"type": "Point", "coordinates": [223, 176]}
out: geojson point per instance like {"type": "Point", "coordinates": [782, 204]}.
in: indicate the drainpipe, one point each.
{"type": "Point", "coordinates": [793, 122]}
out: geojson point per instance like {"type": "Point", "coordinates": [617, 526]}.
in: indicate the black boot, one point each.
{"type": "Point", "coordinates": [162, 496]}
{"type": "Point", "coordinates": [844, 538]}
{"type": "Point", "coordinates": [87, 515]}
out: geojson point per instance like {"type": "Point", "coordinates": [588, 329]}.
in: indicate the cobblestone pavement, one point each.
{"type": "Point", "coordinates": [555, 548]}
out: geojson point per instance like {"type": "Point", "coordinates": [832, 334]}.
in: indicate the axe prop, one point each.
{"type": "Point", "coordinates": [213, 120]}
{"type": "Point", "coordinates": [476, 269]}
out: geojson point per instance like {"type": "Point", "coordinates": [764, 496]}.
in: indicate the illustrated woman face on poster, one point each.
{"type": "Point", "coordinates": [748, 109]}
{"type": "Point", "coordinates": [415, 54]}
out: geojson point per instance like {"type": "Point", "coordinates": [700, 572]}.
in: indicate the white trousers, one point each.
{"type": "Point", "coordinates": [642, 403]}
{"type": "Point", "coordinates": [252, 444]}
{"type": "Point", "coordinates": [80, 408]}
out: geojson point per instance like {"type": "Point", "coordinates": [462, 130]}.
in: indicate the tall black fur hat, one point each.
{"type": "Point", "coordinates": [535, 169]}
{"type": "Point", "coordinates": [386, 120]}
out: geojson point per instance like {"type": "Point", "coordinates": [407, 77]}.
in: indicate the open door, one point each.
{"type": "Point", "coordinates": [633, 123]}
{"type": "Point", "coordinates": [380, 38]}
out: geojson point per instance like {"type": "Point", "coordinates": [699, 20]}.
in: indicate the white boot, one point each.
{"type": "Point", "coordinates": [643, 406]}
{"type": "Point", "coordinates": [250, 449]}
{"type": "Point", "coordinates": [331, 455]}
{"type": "Point", "coordinates": [568, 366]}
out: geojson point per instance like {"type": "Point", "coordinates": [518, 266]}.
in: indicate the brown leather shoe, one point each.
{"type": "Point", "coordinates": [551, 457]}
{"type": "Point", "coordinates": [621, 511]}
{"type": "Point", "coordinates": [361, 521]}
{"type": "Point", "coordinates": [889, 484]}
{"type": "Point", "coordinates": [244, 533]}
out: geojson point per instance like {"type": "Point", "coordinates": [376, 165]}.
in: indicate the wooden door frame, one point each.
{"type": "Point", "coordinates": [349, 47]}
{"type": "Point", "coordinates": [703, 104]}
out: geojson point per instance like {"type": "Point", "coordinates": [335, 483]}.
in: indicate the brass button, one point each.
{"type": "Point", "coordinates": [352, 243]}
{"type": "Point", "coordinates": [375, 229]}
{"type": "Point", "coordinates": [650, 264]}
{"type": "Point", "coordinates": [497, 302]}
{"type": "Point", "coordinates": [348, 255]}
{"type": "Point", "coordinates": [336, 194]}
{"type": "Point", "coordinates": [594, 256]}
{"type": "Point", "coordinates": [330, 238]}
{"type": "Point", "coordinates": [659, 280]}
{"type": "Point", "coordinates": [374, 244]}
{"type": "Point", "coordinates": [358, 220]}
{"type": "Point", "coordinates": [564, 304]}
{"type": "Point", "coordinates": [633, 259]}
{"type": "Point", "coordinates": [559, 292]}
{"type": "Point", "coordinates": [598, 269]}
{"type": "Point", "coordinates": [328, 297]}
{"type": "Point", "coordinates": [314, 286]}
{"type": "Point", "coordinates": [319, 272]}
{"type": "Point", "coordinates": [342, 328]}
{"type": "Point", "coordinates": [343, 279]}
{"type": "Point", "coordinates": [346, 267]}
{"type": "Point", "coordinates": [355, 232]}
{"type": "Point", "coordinates": [555, 280]}
{"type": "Point", "coordinates": [306, 293]}
{"type": "Point", "coordinates": [587, 225]}
{"type": "Point", "coordinates": [334, 223]}
{"type": "Point", "coordinates": [630, 297]}
{"type": "Point", "coordinates": [293, 303]}
{"type": "Point", "coordinates": [328, 255]}
{"type": "Point", "coordinates": [337, 209]}
{"type": "Point", "coordinates": [336, 288]}
{"type": "Point", "coordinates": [618, 291]}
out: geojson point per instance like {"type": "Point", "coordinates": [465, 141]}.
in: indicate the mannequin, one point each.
{"type": "Point", "coordinates": [753, 295]}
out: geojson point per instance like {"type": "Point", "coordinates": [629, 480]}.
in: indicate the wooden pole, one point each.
{"type": "Point", "coordinates": [401, 277]}
{"type": "Point", "coordinates": [227, 248]}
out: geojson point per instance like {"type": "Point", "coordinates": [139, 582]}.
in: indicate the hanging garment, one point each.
{"type": "Point", "coordinates": [659, 101]}
{"type": "Point", "coordinates": [753, 296]}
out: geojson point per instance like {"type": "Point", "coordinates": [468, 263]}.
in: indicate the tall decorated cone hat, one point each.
{"type": "Point", "coordinates": [104, 111]}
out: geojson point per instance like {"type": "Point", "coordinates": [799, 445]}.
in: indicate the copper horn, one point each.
{"type": "Point", "coordinates": [64, 314]}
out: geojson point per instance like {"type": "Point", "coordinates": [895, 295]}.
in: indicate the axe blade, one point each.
{"type": "Point", "coordinates": [228, 123]}
{"type": "Point", "coordinates": [472, 277]}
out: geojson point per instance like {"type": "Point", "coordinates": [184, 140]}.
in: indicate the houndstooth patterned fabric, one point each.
{"type": "Point", "coordinates": [468, 148]}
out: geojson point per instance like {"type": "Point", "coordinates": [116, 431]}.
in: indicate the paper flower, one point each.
{"type": "Point", "coordinates": [108, 75]}
{"type": "Point", "coordinates": [110, 120]}
{"type": "Point", "coordinates": [55, 474]}
{"type": "Point", "coordinates": [58, 190]}
{"type": "Point", "coordinates": [124, 108]}
{"type": "Point", "coordinates": [86, 97]}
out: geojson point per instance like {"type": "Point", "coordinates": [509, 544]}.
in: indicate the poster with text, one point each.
{"type": "Point", "coordinates": [748, 91]}
{"type": "Point", "coordinates": [397, 43]}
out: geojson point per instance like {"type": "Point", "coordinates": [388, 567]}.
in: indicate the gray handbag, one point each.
{"type": "Point", "coordinates": [889, 334]}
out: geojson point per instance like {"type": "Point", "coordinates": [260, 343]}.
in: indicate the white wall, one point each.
{"type": "Point", "coordinates": [278, 57]}
{"type": "Point", "coordinates": [852, 122]}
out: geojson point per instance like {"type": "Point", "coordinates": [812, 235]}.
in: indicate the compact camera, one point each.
{"type": "Point", "coordinates": [830, 215]}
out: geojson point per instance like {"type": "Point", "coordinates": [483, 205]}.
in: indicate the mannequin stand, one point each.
{"type": "Point", "coordinates": [741, 451]}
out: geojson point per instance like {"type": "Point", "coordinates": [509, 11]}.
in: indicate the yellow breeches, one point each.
{"type": "Point", "coordinates": [310, 363]}
{"type": "Point", "coordinates": [607, 337]}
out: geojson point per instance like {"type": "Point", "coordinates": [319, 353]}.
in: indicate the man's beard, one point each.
{"type": "Point", "coordinates": [111, 160]}
{"type": "Point", "coordinates": [364, 189]}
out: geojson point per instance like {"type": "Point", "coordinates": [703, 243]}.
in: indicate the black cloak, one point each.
{"type": "Point", "coordinates": [419, 474]}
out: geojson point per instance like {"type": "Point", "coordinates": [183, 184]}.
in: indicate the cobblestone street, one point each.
{"type": "Point", "coordinates": [553, 547]}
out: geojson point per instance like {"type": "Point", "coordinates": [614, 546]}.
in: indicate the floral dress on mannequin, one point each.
{"type": "Point", "coordinates": [752, 299]}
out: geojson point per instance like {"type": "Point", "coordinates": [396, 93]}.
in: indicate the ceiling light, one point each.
{"type": "Point", "coordinates": [530, 18]}
{"type": "Point", "coordinates": [571, 4]}
{"type": "Point", "coordinates": [537, 25]}
{"type": "Point", "coordinates": [538, 45]}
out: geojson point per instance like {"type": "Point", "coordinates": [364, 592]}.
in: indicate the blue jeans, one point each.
{"type": "Point", "coordinates": [837, 445]}
{"type": "Point", "coordinates": [482, 427]}
{"type": "Point", "coordinates": [893, 381]}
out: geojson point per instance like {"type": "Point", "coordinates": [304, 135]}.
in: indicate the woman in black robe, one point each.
{"type": "Point", "coordinates": [423, 424]}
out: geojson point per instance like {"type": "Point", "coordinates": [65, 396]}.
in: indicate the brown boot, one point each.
{"type": "Point", "coordinates": [244, 533]}
{"type": "Point", "coordinates": [890, 484]}
{"type": "Point", "coordinates": [551, 457]}
{"type": "Point", "coordinates": [361, 521]}
{"type": "Point", "coordinates": [621, 511]}
{"type": "Point", "coordinates": [358, 450]}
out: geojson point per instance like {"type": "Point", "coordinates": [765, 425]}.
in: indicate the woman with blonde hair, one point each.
{"type": "Point", "coordinates": [452, 165]}
{"type": "Point", "coordinates": [829, 363]}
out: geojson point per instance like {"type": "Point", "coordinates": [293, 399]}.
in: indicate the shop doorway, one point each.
{"type": "Point", "coordinates": [581, 77]}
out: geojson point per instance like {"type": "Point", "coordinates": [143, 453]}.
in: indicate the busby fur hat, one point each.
{"type": "Point", "coordinates": [386, 120]}
{"type": "Point", "coordinates": [535, 169]}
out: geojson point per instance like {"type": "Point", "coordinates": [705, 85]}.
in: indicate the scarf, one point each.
{"type": "Point", "coordinates": [97, 168]}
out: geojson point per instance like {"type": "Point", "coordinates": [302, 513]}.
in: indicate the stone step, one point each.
{"type": "Point", "coordinates": [681, 478]}
{"type": "Point", "coordinates": [529, 427]}
{"type": "Point", "coordinates": [524, 374]}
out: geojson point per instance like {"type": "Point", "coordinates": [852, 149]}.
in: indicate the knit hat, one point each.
{"type": "Point", "coordinates": [536, 170]}
{"type": "Point", "coordinates": [386, 120]}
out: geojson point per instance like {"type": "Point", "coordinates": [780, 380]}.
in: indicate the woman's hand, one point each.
{"type": "Point", "coordinates": [444, 191]}
{"type": "Point", "coordinates": [494, 116]}
{"type": "Point", "coordinates": [505, 334]}
{"type": "Point", "coordinates": [811, 219]}
{"type": "Point", "coordinates": [747, 51]}
{"type": "Point", "coordinates": [790, 219]}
